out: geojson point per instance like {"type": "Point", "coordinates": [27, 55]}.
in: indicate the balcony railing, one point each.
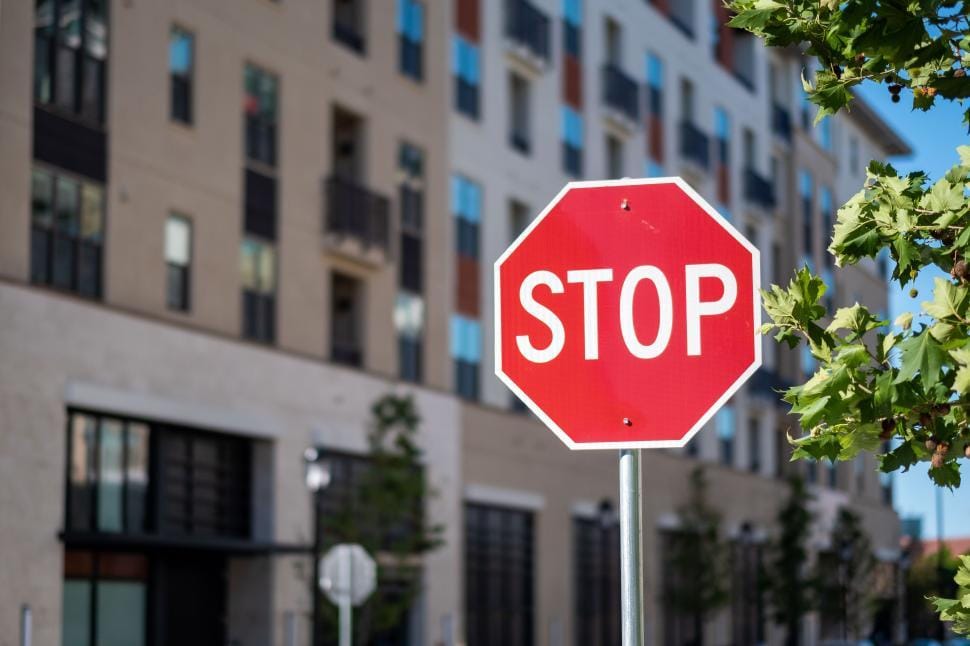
{"type": "Point", "coordinates": [527, 25]}
{"type": "Point", "coordinates": [620, 91]}
{"type": "Point", "coordinates": [695, 145]}
{"type": "Point", "coordinates": [354, 211]}
{"type": "Point", "coordinates": [758, 190]}
{"type": "Point", "coordinates": [781, 121]}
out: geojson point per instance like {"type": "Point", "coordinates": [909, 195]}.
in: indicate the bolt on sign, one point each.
{"type": "Point", "coordinates": [627, 313]}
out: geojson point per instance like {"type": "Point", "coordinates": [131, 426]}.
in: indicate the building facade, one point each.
{"type": "Point", "coordinates": [226, 229]}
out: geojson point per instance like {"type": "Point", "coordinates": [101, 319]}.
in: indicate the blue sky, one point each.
{"type": "Point", "coordinates": [934, 137]}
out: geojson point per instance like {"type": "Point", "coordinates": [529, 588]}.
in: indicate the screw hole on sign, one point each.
{"type": "Point", "coordinates": [627, 421]}
{"type": "Point", "coordinates": [625, 204]}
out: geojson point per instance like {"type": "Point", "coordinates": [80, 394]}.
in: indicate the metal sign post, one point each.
{"type": "Point", "coordinates": [348, 575]}
{"type": "Point", "coordinates": [631, 550]}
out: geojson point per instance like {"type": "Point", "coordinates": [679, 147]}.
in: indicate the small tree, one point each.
{"type": "Point", "coordinates": [929, 577]}
{"type": "Point", "coordinates": [843, 577]}
{"type": "Point", "coordinates": [957, 609]}
{"type": "Point", "coordinates": [785, 579]}
{"type": "Point", "coordinates": [386, 515]}
{"type": "Point", "coordinates": [699, 558]}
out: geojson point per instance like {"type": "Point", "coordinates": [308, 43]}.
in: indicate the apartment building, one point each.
{"type": "Point", "coordinates": [215, 227]}
{"type": "Point", "coordinates": [546, 91]}
{"type": "Point", "coordinates": [226, 229]}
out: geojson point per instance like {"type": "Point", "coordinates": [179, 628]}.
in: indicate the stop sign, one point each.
{"type": "Point", "coordinates": [627, 313]}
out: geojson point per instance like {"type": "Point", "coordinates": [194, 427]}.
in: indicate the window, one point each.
{"type": "Point", "coordinates": [104, 600]}
{"type": "Point", "coordinates": [825, 134]}
{"type": "Point", "coordinates": [886, 479]}
{"type": "Point", "coordinates": [348, 24]}
{"type": "Point", "coordinates": [465, 329]}
{"type": "Point", "coordinates": [655, 110]}
{"type": "Point", "coordinates": [805, 191]}
{"type": "Point", "coordinates": [614, 157]}
{"type": "Point", "coordinates": [181, 61]}
{"type": "Point", "coordinates": [854, 155]}
{"type": "Point", "coordinates": [178, 261]}
{"type": "Point", "coordinates": [466, 352]}
{"type": "Point", "coordinates": [686, 101]}
{"type": "Point", "coordinates": [572, 141]}
{"type": "Point", "coordinates": [346, 320]}
{"type": "Point", "coordinates": [409, 323]}
{"type": "Point", "coordinates": [70, 54]}
{"type": "Point", "coordinates": [410, 34]}
{"type": "Point", "coordinates": [519, 122]}
{"type": "Point", "coordinates": [859, 472]}
{"type": "Point", "coordinates": [258, 258]}
{"type": "Point", "coordinates": [107, 475]}
{"type": "Point", "coordinates": [832, 474]}
{"type": "Point", "coordinates": [499, 576]}
{"type": "Point", "coordinates": [409, 308]}
{"type": "Point", "coordinates": [411, 197]}
{"type": "Point", "coordinates": [67, 233]}
{"type": "Point", "coordinates": [597, 582]}
{"type": "Point", "coordinates": [724, 422]}
{"type": "Point", "coordinates": [613, 42]}
{"type": "Point", "coordinates": [754, 445]}
{"type": "Point", "coordinates": [826, 207]}
{"type": "Point", "coordinates": [260, 107]}
{"type": "Point", "coordinates": [114, 466]}
{"type": "Point", "coordinates": [465, 58]}
{"type": "Point", "coordinates": [722, 130]}
{"type": "Point", "coordinates": [572, 23]}
{"type": "Point", "coordinates": [520, 215]}
{"type": "Point", "coordinates": [466, 198]}
{"type": "Point", "coordinates": [747, 603]}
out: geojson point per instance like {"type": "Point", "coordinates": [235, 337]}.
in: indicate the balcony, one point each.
{"type": "Point", "coordinates": [758, 190]}
{"type": "Point", "coordinates": [528, 30]}
{"type": "Point", "coordinates": [356, 221]}
{"type": "Point", "coordinates": [781, 121]}
{"type": "Point", "coordinates": [695, 145]}
{"type": "Point", "coordinates": [621, 93]}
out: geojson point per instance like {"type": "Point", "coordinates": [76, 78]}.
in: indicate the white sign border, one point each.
{"type": "Point", "coordinates": [728, 393]}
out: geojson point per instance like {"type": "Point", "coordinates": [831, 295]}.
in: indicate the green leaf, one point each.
{"type": "Point", "coordinates": [961, 380]}
{"type": "Point", "coordinates": [945, 196]}
{"type": "Point", "coordinates": [949, 300]}
{"type": "Point", "coordinates": [904, 320]}
{"type": "Point", "coordinates": [811, 413]}
{"type": "Point", "coordinates": [964, 152]}
{"type": "Point", "coordinates": [902, 457]}
{"type": "Point", "coordinates": [947, 475]}
{"type": "Point", "coordinates": [920, 354]}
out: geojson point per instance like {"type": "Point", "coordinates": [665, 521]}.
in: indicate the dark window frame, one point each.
{"type": "Point", "coordinates": [263, 150]}
{"type": "Point", "coordinates": [96, 576]}
{"type": "Point", "coordinates": [50, 237]}
{"type": "Point", "coordinates": [410, 58]}
{"type": "Point", "coordinates": [182, 85]}
{"type": "Point", "coordinates": [92, 483]}
{"type": "Point", "coordinates": [504, 561]}
{"type": "Point", "coordinates": [83, 63]}
{"type": "Point", "coordinates": [263, 299]}
{"type": "Point", "coordinates": [596, 592]}
{"type": "Point", "coordinates": [182, 272]}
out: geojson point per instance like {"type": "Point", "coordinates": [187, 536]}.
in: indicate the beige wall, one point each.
{"type": "Point", "coordinates": [157, 166]}
{"type": "Point", "coordinates": [59, 351]}
{"type": "Point", "coordinates": [521, 460]}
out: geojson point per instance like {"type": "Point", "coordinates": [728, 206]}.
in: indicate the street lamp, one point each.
{"type": "Point", "coordinates": [316, 471]}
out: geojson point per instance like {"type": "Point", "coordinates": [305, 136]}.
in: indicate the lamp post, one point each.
{"type": "Point", "coordinates": [317, 476]}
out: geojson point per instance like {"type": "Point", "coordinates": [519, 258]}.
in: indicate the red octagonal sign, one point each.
{"type": "Point", "coordinates": [627, 313]}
